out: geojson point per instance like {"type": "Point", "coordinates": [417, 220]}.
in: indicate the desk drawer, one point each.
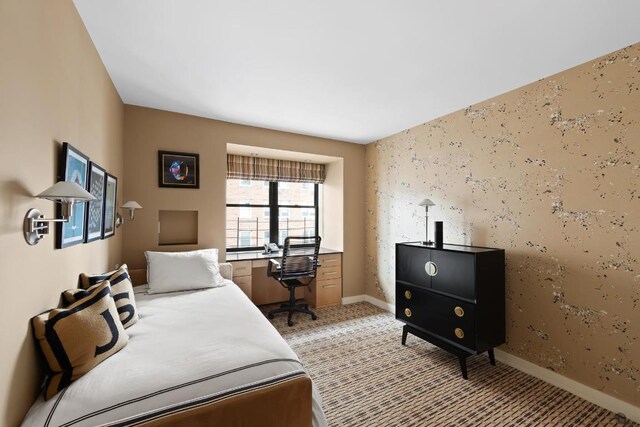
{"type": "Point", "coordinates": [328, 292]}
{"type": "Point", "coordinates": [330, 260]}
{"type": "Point", "coordinates": [241, 268]}
{"type": "Point", "coordinates": [327, 273]}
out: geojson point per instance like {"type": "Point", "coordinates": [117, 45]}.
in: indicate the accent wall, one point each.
{"type": "Point", "coordinates": [549, 172]}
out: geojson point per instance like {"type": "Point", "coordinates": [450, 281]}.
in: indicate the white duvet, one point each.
{"type": "Point", "coordinates": [186, 346]}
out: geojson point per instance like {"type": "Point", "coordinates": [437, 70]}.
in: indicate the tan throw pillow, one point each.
{"type": "Point", "coordinates": [121, 291]}
{"type": "Point", "coordinates": [75, 339]}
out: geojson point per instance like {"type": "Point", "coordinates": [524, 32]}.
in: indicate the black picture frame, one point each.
{"type": "Point", "coordinates": [95, 209]}
{"type": "Point", "coordinates": [73, 166]}
{"type": "Point", "coordinates": [178, 170]}
{"type": "Point", "coordinates": [110, 209]}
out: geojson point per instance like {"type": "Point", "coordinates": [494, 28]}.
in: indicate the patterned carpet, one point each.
{"type": "Point", "coordinates": [367, 378]}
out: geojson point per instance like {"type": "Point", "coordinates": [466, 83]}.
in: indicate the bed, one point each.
{"type": "Point", "coordinates": [195, 358]}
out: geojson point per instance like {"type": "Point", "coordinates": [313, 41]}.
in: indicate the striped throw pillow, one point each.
{"type": "Point", "coordinates": [75, 339]}
{"type": "Point", "coordinates": [121, 291]}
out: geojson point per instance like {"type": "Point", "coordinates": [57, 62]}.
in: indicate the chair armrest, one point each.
{"type": "Point", "coordinates": [272, 263]}
{"type": "Point", "coordinates": [226, 270]}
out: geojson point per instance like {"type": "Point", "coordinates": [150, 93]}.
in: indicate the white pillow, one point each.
{"type": "Point", "coordinates": [183, 271]}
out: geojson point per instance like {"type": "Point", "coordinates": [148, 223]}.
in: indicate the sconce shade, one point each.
{"type": "Point", "coordinates": [36, 226]}
{"type": "Point", "coordinates": [427, 202]}
{"type": "Point", "coordinates": [131, 205]}
{"type": "Point", "coordinates": [65, 191]}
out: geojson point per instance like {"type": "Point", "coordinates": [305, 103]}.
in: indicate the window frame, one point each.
{"type": "Point", "coordinates": [274, 208]}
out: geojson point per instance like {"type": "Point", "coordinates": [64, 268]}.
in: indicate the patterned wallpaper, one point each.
{"type": "Point", "coordinates": [549, 172]}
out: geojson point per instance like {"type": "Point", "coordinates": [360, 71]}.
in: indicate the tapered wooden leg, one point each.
{"type": "Point", "coordinates": [492, 357]}
{"type": "Point", "coordinates": [463, 366]}
{"type": "Point", "coordinates": [404, 335]}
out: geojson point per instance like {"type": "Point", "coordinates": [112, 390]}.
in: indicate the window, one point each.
{"type": "Point", "coordinates": [307, 186]}
{"type": "Point", "coordinates": [245, 211]}
{"type": "Point", "coordinates": [245, 238]}
{"type": "Point", "coordinates": [282, 209]}
{"type": "Point", "coordinates": [245, 183]}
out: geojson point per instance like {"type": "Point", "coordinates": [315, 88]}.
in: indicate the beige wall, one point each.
{"type": "Point", "coordinates": [53, 88]}
{"type": "Point", "coordinates": [550, 173]}
{"type": "Point", "coordinates": [146, 131]}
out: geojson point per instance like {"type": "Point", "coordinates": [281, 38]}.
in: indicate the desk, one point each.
{"type": "Point", "coordinates": [250, 274]}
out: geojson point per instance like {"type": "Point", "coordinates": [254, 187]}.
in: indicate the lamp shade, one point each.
{"type": "Point", "coordinates": [426, 202]}
{"type": "Point", "coordinates": [131, 205]}
{"type": "Point", "coordinates": [65, 191]}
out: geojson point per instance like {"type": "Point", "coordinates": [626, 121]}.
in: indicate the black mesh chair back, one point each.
{"type": "Point", "coordinates": [298, 267]}
{"type": "Point", "coordinates": [300, 258]}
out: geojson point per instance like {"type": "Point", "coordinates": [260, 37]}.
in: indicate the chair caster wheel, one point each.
{"type": "Point", "coordinates": [314, 317]}
{"type": "Point", "coordinates": [270, 315]}
{"type": "Point", "coordinates": [290, 323]}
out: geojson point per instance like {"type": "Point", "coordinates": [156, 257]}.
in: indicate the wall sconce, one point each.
{"type": "Point", "coordinates": [426, 203]}
{"type": "Point", "coordinates": [132, 206]}
{"type": "Point", "coordinates": [63, 192]}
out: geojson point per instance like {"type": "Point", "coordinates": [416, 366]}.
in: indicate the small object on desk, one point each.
{"type": "Point", "coordinates": [271, 248]}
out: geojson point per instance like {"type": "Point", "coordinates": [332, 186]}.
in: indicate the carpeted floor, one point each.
{"type": "Point", "coordinates": [367, 378]}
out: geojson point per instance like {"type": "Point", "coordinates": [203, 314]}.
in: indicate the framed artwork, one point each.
{"type": "Point", "coordinates": [109, 220]}
{"type": "Point", "coordinates": [178, 170]}
{"type": "Point", "coordinates": [73, 167]}
{"type": "Point", "coordinates": [95, 209]}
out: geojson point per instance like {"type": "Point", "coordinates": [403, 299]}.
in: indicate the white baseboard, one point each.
{"type": "Point", "coordinates": [353, 299]}
{"type": "Point", "coordinates": [371, 300]}
{"type": "Point", "coordinates": [587, 393]}
{"type": "Point", "coordinates": [379, 303]}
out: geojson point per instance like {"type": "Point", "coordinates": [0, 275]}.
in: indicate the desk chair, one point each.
{"type": "Point", "coordinates": [298, 268]}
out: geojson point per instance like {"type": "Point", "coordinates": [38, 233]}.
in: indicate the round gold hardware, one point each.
{"type": "Point", "coordinates": [407, 294]}
{"type": "Point", "coordinates": [407, 312]}
{"type": "Point", "coordinates": [459, 311]}
{"type": "Point", "coordinates": [459, 333]}
{"type": "Point", "coordinates": [431, 268]}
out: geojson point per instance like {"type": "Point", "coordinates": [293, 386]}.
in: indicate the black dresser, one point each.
{"type": "Point", "coordinates": [452, 296]}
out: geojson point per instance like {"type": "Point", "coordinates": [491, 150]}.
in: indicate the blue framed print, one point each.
{"type": "Point", "coordinates": [95, 208]}
{"type": "Point", "coordinates": [74, 167]}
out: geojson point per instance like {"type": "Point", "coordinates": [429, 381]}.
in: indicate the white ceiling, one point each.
{"type": "Point", "coordinates": [353, 70]}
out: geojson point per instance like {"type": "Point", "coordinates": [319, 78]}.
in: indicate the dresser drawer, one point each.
{"type": "Point", "coordinates": [446, 317]}
{"type": "Point", "coordinates": [241, 268]}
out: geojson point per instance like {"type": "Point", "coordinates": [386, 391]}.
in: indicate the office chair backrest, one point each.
{"type": "Point", "coordinates": [300, 257]}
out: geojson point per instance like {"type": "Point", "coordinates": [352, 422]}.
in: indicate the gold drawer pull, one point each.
{"type": "Point", "coordinates": [329, 273]}
{"type": "Point", "coordinates": [329, 286]}
{"type": "Point", "coordinates": [407, 312]}
{"type": "Point", "coordinates": [407, 294]}
{"type": "Point", "coordinates": [459, 311]}
{"type": "Point", "coordinates": [459, 333]}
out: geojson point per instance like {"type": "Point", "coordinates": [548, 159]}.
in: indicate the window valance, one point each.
{"type": "Point", "coordinates": [261, 169]}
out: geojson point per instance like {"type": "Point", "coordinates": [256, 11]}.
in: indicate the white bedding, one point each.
{"type": "Point", "coordinates": [186, 345]}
